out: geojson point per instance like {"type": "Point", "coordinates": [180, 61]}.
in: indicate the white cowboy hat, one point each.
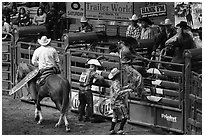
{"type": "Point", "coordinates": [167, 22]}
{"type": "Point", "coordinates": [113, 72]}
{"type": "Point", "coordinates": [134, 17]}
{"type": "Point", "coordinates": [83, 19]}
{"type": "Point", "coordinates": [94, 62]}
{"type": "Point", "coordinates": [44, 41]}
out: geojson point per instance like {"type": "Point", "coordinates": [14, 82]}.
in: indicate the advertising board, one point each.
{"type": "Point", "coordinates": [109, 10]}
{"type": "Point", "coordinates": [102, 105]}
{"type": "Point", "coordinates": [153, 11]}
{"type": "Point", "coordinates": [75, 9]}
{"type": "Point", "coordinates": [170, 119]}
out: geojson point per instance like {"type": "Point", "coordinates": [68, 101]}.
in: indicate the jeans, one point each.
{"type": "Point", "coordinates": [85, 98]}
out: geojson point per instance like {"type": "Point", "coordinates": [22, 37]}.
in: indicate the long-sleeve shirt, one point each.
{"type": "Point", "coordinates": [45, 57]}
{"type": "Point", "coordinates": [147, 33]}
{"type": "Point", "coordinates": [86, 79]}
{"type": "Point", "coordinates": [118, 94]}
{"type": "Point", "coordinates": [133, 32]}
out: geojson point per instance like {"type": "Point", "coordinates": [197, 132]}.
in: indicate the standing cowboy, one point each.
{"type": "Point", "coordinates": [85, 94]}
{"type": "Point", "coordinates": [131, 74]}
{"type": "Point", "coordinates": [118, 101]}
{"type": "Point", "coordinates": [45, 58]}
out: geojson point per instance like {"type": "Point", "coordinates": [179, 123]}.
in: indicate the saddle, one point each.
{"type": "Point", "coordinates": [44, 74]}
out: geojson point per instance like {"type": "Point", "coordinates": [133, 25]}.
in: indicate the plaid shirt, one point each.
{"type": "Point", "coordinates": [118, 95]}
{"type": "Point", "coordinates": [133, 32]}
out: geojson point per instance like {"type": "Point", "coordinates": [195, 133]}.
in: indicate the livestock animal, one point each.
{"type": "Point", "coordinates": [56, 87]}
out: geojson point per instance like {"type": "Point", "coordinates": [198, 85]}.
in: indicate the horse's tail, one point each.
{"type": "Point", "coordinates": [66, 96]}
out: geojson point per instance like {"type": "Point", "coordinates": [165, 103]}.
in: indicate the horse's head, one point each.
{"type": "Point", "coordinates": [22, 70]}
{"type": "Point", "coordinates": [173, 41]}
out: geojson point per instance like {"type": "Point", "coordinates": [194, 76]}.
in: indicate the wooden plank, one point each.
{"type": "Point", "coordinates": [167, 92]}
{"type": "Point", "coordinates": [170, 73]}
{"type": "Point", "coordinates": [162, 83]}
{"type": "Point", "coordinates": [75, 84]}
{"type": "Point", "coordinates": [195, 98]}
{"type": "Point", "coordinates": [80, 70]}
{"type": "Point", "coordinates": [169, 101]}
{"type": "Point", "coordinates": [77, 69]}
{"type": "Point", "coordinates": [194, 123]}
{"type": "Point", "coordinates": [79, 59]}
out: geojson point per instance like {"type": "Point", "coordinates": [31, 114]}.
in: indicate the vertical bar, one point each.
{"type": "Point", "coordinates": [187, 90]}
{"type": "Point", "coordinates": [85, 9]}
{"type": "Point", "coordinates": [133, 7]}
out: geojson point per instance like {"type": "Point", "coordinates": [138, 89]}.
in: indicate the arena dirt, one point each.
{"type": "Point", "coordinates": [18, 119]}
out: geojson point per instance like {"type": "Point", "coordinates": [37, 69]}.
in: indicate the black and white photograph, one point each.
{"type": "Point", "coordinates": [101, 68]}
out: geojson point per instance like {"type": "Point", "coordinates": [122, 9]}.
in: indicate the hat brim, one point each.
{"type": "Point", "coordinates": [94, 62]}
{"type": "Point", "coordinates": [44, 43]}
{"type": "Point", "coordinates": [181, 25]}
{"type": "Point", "coordinates": [133, 19]}
{"type": "Point", "coordinates": [83, 21]}
{"type": "Point", "coordinates": [167, 24]}
{"type": "Point", "coordinates": [110, 76]}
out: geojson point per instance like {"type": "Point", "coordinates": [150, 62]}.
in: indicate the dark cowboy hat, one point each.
{"type": "Point", "coordinates": [183, 24]}
{"type": "Point", "coordinates": [145, 19]}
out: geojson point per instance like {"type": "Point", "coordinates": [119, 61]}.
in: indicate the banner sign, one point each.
{"type": "Point", "coordinates": [153, 11]}
{"type": "Point", "coordinates": [24, 81]}
{"type": "Point", "coordinates": [75, 9]}
{"type": "Point", "coordinates": [102, 105]}
{"type": "Point", "coordinates": [109, 10]}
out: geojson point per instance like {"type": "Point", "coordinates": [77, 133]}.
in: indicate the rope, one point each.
{"type": "Point", "coordinates": [160, 56]}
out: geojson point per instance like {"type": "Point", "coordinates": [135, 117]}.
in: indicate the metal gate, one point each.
{"type": "Point", "coordinates": [193, 92]}
{"type": "Point", "coordinates": [8, 64]}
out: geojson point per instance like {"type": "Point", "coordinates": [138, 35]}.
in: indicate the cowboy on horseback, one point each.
{"type": "Point", "coordinates": [180, 41]}
{"type": "Point", "coordinates": [46, 59]}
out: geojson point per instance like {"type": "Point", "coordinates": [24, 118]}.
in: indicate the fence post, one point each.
{"type": "Point", "coordinates": [187, 88]}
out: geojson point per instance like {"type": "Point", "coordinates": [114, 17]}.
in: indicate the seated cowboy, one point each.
{"type": "Point", "coordinates": [46, 59]}
{"type": "Point", "coordinates": [85, 26]}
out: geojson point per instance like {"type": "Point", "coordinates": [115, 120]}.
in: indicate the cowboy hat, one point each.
{"type": "Point", "coordinates": [161, 23]}
{"type": "Point", "coordinates": [113, 73]}
{"type": "Point", "coordinates": [44, 41]}
{"type": "Point", "coordinates": [167, 22]}
{"type": "Point", "coordinates": [83, 19]}
{"type": "Point", "coordinates": [93, 62]}
{"type": "Point", "coordinates": [145, 19]}
{"type": "Point", "coordinates": [183, 24]}
{"type": "Point", "coordinates": [134, 18]}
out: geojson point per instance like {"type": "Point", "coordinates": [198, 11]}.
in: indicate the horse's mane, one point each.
{"type": "Point", "coordinates": [26, 68]}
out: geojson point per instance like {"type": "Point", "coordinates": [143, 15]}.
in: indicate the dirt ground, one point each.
{"type": "Point", "coordinates": [18, 119]}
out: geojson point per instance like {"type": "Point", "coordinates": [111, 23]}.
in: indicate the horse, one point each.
{"type": "Point", "coordinates": [177, 44]}
{"type": "Point", "coordinates": [56, 87]}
